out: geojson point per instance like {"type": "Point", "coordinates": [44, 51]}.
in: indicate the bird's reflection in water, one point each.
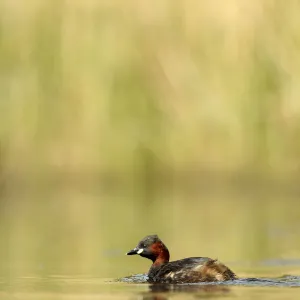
{"type": "Point", "coordinates": [166, 291]}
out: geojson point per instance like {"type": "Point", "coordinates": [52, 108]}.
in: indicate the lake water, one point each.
{"type": "Point", "coordinates": [83, 287]}
{"type": "Point", "coordinates": [70, 242]}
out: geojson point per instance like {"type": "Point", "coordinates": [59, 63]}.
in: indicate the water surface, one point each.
{"type": "Point", "coordinates": [135, 287]}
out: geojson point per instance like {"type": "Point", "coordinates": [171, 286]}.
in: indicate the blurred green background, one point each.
{"type": "Point", "coordinates": [126, 118]}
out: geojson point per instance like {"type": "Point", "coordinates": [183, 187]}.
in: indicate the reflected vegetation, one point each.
{"type": "Point", "coordinates": [85, 231]}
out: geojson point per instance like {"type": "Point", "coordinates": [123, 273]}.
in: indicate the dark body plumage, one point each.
{"type": "Point", "coordinates": [190, 270]}
{"type": "Point", "coordinates": [187, 270]}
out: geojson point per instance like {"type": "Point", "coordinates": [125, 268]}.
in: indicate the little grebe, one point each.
{"type": "Point", "coordinates": [187, 270]}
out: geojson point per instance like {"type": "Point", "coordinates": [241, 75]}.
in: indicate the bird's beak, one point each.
{"type": "Point", "coordinates": [135, 251]}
